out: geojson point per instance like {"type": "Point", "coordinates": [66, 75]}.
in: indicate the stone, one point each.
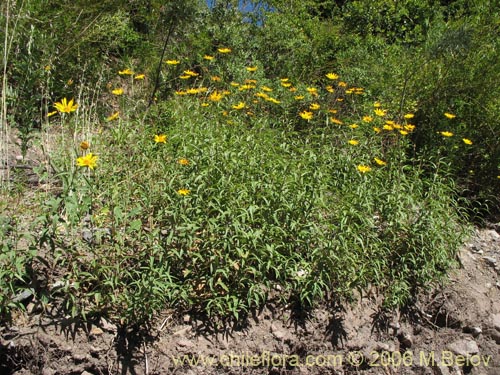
{"type": "Point", "coordinates": [495, 321]}
{"type": "Point", "coordinates": [96, 331]}
{"type": "Point", "coordinates": [490, 260]}
{"type": "Point", "coordinates": [464, 347]}
{"type": "Point", "coordinates": [107, 326]}
{"type": "Point", "coordinates": [185, 343]}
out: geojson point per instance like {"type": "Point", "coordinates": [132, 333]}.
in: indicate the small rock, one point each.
{"type": "Point", "coordinates": [488, 285]}
{"type": "Point", "coordinates": [96, 331]}
{"type": "Point", "coordinates": [186, 318]}
{"type": "Point", "coordinates": [87, 236]}
{"type": "Point", "coordinates": [48, 371]}
{"type": "Point", "coordinates": [495, 335]}
{"type": "Point", "coordinates": [19, 157]}
{"type": "Point", "coordinates": [464, 347]}
{"type": "Point", "coordinates": [86, 373]}
{"type": "Point", "coordinates": [493, 234]}
{"type": "Point", "coordinates": [495, 320]}
{"type": "Point", "coordinates": [490, 260]}
{"type": "Point", "coordinates": [279, 334]}
{"type": "Point", "coordinates": [78, 357]}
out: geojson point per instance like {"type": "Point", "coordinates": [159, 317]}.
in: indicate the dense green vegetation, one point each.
{"type": "Point", "coordinates": [206, 159]}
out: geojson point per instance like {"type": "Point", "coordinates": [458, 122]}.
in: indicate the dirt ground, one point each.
{"type": "Point", "coordinates": [451, 330]}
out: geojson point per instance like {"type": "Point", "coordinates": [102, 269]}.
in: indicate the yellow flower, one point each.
{"type": "Point", "coordinates": [409, 116]}
{"type": "Point", "coordinates": [332, 111]}
{"type": "Point", "coordinates": [446, 134]}
{"type": "Point", "coordinates": [66, 107]}
{"type": "Point", "coordinates": [88, 161]}
{"type": "Point", "coordinates": [183, 192]}
{"type": "Point", "coordinates": [215, 78]}
{"type": "Point", "coordinates": [354, 126]}
{"type": "Point", "coordinates": [114, 116]}
{"type": "Point", "coordinates": [185, 76]}
{"type": "Point", "coordinates": [215, 96]}
{"type": "Point", "coordinates": [160, 138]}
{"type": "Point", "coordinates": [363, 168]}
{"type": "Point", "coordinates": [336, 121]}
{"type": "Point", "coordinates": [306, 115]}
{"type": "Point", "coordinates": [332, 76]}
{"type": "Point", "coordinates": [183, 161]}
{"type": "Point", "coordinates": [449, 115]}
{"type": "Point", "coordinates": [377, 129]}
{"type": "Point", "coordinates": [181, 93]}
{"type": "Point", "coordinates": [51, 113]}
{"type": "Point", "coordinates": [409, 127]}
{"type": "Point", "coordinates": [314, 106]}
{"type": "Point", "coordinates": [251, 68]}
{"type": "Point", "coordinates": [267, 89]}
{"type": "Point", "coordinates": [330, 89]}
{"type": "Point", "coordinates": [353, 142]}
{"type": "Point", "coordinates": [69, 82]}
{"type": "Point", "coordinates": [125, 72]}
{"type": "Point", "coordinates": [286, 84]}
{"type": "Point", "coordinates": [367, 118]}
{"type": "Point", "coordinates": [193, 91]}
{"type": "Point", "coordinates": [205, 104]}
{"type": "Point", "coordinates": [190, 73]}
{"type": "Point", "coordinates": [117, 92]}
{"type": "Point", "coordinates": [208, 57]}
{"type": "Point", "coordinates": [240, 105]}
{"type": "Point", "coordinates": [84, 145]}
{"type": "Point", "coordinates": [377, 104]}
{"type": "Point", "coordinates": [284, 79]}
{"type": "Point", "coordinates": [312, 90]}
{"type": "Point", "coordinates": [379, 161]}
{"type": "Point", "coordinates": [467, 141]}
{"type": "Point", "coordinates": [224, 50]}
{"type": "Point", "coordinates": [299, 97]}
{"type": "Point", "coordinates": [388, 127]}
{"type": "Point", "coordinates": [342, 84]}
{"type": "Point", "coordinates": [272, 100]}
{"type": "Point", "coordinates": [403, 132]}
{"type": "Point", "coordinates": [172, 62]}
{"type": "Point", "coordinates": [140, 76]}
{"type": "Point", "coordinates": [380, 112]}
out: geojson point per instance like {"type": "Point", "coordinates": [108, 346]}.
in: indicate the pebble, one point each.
{"type": "Point", "coordinates": [464, 347]}
{"type": "Point", "coordinates": [185, 343]}
{"type": "Point", "coordinates": [96, 331]}
{"type": "Point", "coordinates": [406, 339]}
{"type": "Point", "coordinates": [490, 260]}
{"type": "Point", "coordinates": [495, 320]}
{"type": "Point", "coordinates": [493, 234]}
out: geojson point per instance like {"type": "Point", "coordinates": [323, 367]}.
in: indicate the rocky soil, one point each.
{"type": "Point", "coordinates": [451, 330]}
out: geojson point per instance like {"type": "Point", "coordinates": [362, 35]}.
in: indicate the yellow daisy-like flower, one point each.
{"type": "Point", "coordinates": [306, 115]}
{"type": "Point", "coordinates": [172, 62]}
{"type": "Point", "coordinates": [180, 93]}
{"type": "Point", "coordinates": [330, 89]}
{"type": "Point", "coordinates": [342, 84]}
{"type": "Point", "coordinates": [251, 69]}
{"type": "Point", "coordinates": [183, 192]}
{"type": "Point", "coordinates": [66, 107]}
{"type": "Point", "coordinates": [286, 84]}
{"type": "Point", "coordinates": [191, 73]}
{"type": "Point", "coordinates": [409, 127]}
{"type": "Point", "coordinates": [377, 104]}
{"type": "Point", "coordinates": [160, 138]}
{"type": "Point", "coordinates": [403, 132]}
{"type": "Point", "coordinates": [183, 161]}
{"type": "Point", "coordinates": [367, 118]}
{"type": "Point", "coordinates": [354, 126]}
{"type": "Point", "coordinates": [353, 142]}
{"type": "Point", "coordinates": [314, 106]}
{"type": "Point", "coordinates": [299, 97]}
{"type": "Point", "coordinates": [409, 116]}
{"type": "Point", "coordinates": [205, 104]}
{"type": "Point", "coordinates": [467, 141]}
{"type": "Point", "coordinates": [215, 79]}
{"type": "Point", "coordinates": [380, 162]}
{"type": "Point", "coordinates": [380, 112]}
{"type": "Point", "coordinates": [215, 96]}
{"type": "Point", "coordinates": [377, 129]}
{"type": "Point", "coordinates": [240, 105]}
{"type": "Point", "coordinates": [450, 115]}
{"type": "Point", "coordinates": [113, 117]}
{"type": "Point", "coordinates": [332, 76]}
{"type": "Point", "coordinates": [185, 76]}
{"type": "Point", "coordinates": [388, 127]}
{"type": "Point", "coordinates": [126, 72]}
{"type": "Point", "coordinates": [266, 89]}
{"type": "Point", "coordinates": [336, 121]}
{"type": "Point", "coordinates": [312, 90]}
{"type": "Point", "coordinates": [272, 100]}
{"type": "Point", "coordinates": [84, 145]}
{"type": "Point", "coordinates": [208, 57]}
{"type": "Point", "coordinates": [117, 92]}
{"type": "Point", "coordinates": [284, 79]}
{"type": "Point", "coordinates": [88, 161]}
{"type": "Point", "coordinates": [140, 77]}
{"type": "Point", "coordinates": [51, 113]}
{"type": "Point", "coordinates": [363, 168]}
{"type": "Point", "coordinates": [446, 134]}
{"type": "Point", "coordinates": [224, 50]}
